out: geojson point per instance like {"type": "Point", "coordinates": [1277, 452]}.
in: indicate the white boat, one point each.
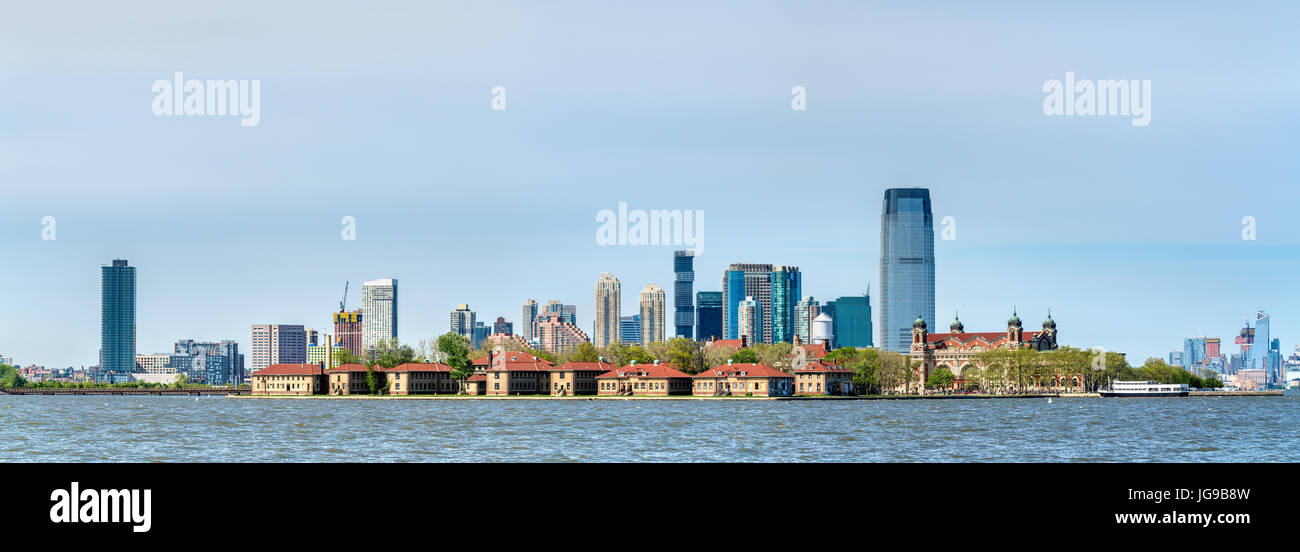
{"type": "Point", "coordinates": [1145, 389]}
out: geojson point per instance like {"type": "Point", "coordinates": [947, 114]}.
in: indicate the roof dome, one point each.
{"type": "Point", "coordinates": [1015, 319]}
{"type": "Point", "coordinates": [957, 326]}
{"type": "Point", "coordinates": [919, 323]}
{"type": "Point", "coordinates": [1049, 323]}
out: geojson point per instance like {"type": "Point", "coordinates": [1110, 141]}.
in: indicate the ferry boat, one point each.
{"type": "Point", "coordinates": [1145, 389]}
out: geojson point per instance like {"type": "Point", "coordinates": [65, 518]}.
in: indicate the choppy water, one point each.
{"type": "Point", "coordinates": [181, 429]}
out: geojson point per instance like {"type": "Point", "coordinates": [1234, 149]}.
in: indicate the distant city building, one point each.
{"type": "Point", "coordinates": [348, 330]}
{"type": "Point", "coordinates": [1193, 352]}
{"type": "Point", "coordinates": [526, 319]}
{"type": "Point", "coordinates": [743, 280]}
{"type": "Point", "coordinates": [480, 333]}
{"type": "Point", "coordinates": [379, 303]}
{"type": "Point", "coordinates": [851, 316]}
{"type": "Point", "coordinates": [312, 336]}
{"type": "Point", "coordinates": [150, 364]}
{"type": "Point", "coordinates": [708, 315]}
{"type": "Point", "coordinates": [117, 318]}
{"type": "Point", "coordinates": [683, 293]}
{"type": "Point", "coordinates": [652, 314]}
{"type": "Point", "coordinates": [213, 363]}
{"type": "Point", "coordinates": [906, 265]}
{"type": "Point", "coordinates": [804, 312]}
{"type": "Point", "coordinates": [329, 356]}
{"type": "Point", "coordinates": [786, 288]}
{"type": "Point", "coordinates": [462, 322]}
{"type": "Point", "coordinates": [277, 344]}
{"type": "Point", "coordinates": [502, 327]}
{"type": "Point", "coordinates": [1176, 358]}
{"type": "Point", "coordinates": [749, 320]}
{"type": "Point", "coordinates": [609, 298]}
{"type": "Point", "coordinates": [568, 312]}
{"type": "Point", "coordinates": [629, 329]}
{"type": "Point", "coordinates": [557, 335]}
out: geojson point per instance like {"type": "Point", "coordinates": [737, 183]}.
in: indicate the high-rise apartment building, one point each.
{"type": "Point", "coordinates": [213, 363]}
{"type": "Point", "coordinates": [743, 280]}
{"type": "Point", "coordinates": [502, 327]}
{"type": "Point", "coordinates": [804, 312]}
{"type": "Point", "coordinates": [708, 315]}
{"type": "Point", "coordinates": [683, 293]}
{"type": "Point", "coordinates": [906, 265]}
{"type": "Point", "coordinates": [348, 330]}
{"type": "Point", "coordinates": [652, 314]}
{"type": "Point", "coordinates": [609, 297]}
{"type": "Point", "coordinates": [277, 344]}
{"type": "Point", "coordinates": [379, 303]}
{"type": "Point", "coordinates": [749, 319]}
{"type": "Point", "coordinates": [526, 319]}
{"type": "Point", "coordinates": [556, 335]}
{"type": "Point", "coordinates": [463, 320]}
{"type": "Point", "coordinates": [786, 288]}
{"type": "Point", "coordinates": [567, 312]}
{"type": "Point", "coordinates": [117, 317]}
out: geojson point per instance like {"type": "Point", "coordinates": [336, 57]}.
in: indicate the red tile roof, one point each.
{"type": "Point", "coordinates": [353, 368]}
{"type": "Point", "coordinates": [749, 370]}
{"type": "Point", "coordinates": [733, 343]}
{"type": "Point", "coordinates": [587, 366]}
{"type": "Point", "coordinates": [822, 366]}
{"type": "Point", "coordinates": [813, 350]}
{"type": "Point", "coordinates": [420, 367]}
{"type": "Point", "coordinates": [968, 337]}
{"type": "Point", "coordinates": [291, 370]}
{"type": "Point", "coordinates": [477, 377]}
{"type": "Point", "coordinates": [645, 371]}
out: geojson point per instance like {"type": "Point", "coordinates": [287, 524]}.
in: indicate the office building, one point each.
{"type": "Point", "coordinates": [569, 313]}
{"type": "Point", "coordinates": [906, 265]}
{"type": "Point", "coordinates": [462, 322]}
{"type": "Point", "coordinates": [609, 298]}
{"type": "Point", "coordinates": [683, 293]}
{"type": "Point", "coordinates": [708, 315]}
{"type": "Point", "coordinates": [804, 312]}
{"type": "Point", "coordinates": [526, 318]}
{"type": "Point", "coordinates": [501, 326]}
{"type": "Point", "coordinates": [851, 317]}
{"type": "Point", "coordinates": [117, 318]}
{"type": "Point", "coordinates": [749, 320]}
{"type": "Point", "coordinates": [629, 329]}
{"type": "Point", "coordinates": [277, 344]}
{"type": "Point", "coordinates": [652, 314]}
{"type": "Point", "coordinates": [1176, 358]}
{"type": "Point", "coordinates": [379, 303]}
{"type": "Point", "coordinates": [786, 289]}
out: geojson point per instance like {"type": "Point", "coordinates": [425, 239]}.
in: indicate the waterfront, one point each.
{"type": "Point", "coordinates": [217, 429]}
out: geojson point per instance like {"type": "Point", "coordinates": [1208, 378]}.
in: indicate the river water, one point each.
{"type": "Point", "coordinates": [219, 429]}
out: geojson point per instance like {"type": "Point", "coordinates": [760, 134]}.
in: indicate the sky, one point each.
{"type": "Point", "coordinates": [1131, 235]}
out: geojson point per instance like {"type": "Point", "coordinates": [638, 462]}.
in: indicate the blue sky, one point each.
{"type": "Point", "coordinates": [1131, 235]}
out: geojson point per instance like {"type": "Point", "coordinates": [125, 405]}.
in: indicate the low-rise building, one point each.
{"type": "Point", "coordinates": [644, 379]}
{"type": "Point", "coordinates": [758, 380]}
{"type": "Point", "coordinates": [517, 373]}
{"type": "Point", "coordinates": [823, 378]}
{"type": "Point", "coordinates": [577, 378]}
{"type": "Point", "coordinates": [350, 379]}
{"type": "Point", "coordinates": [289, 379]}
{"type": "Point", "coordinates": [421, 379]}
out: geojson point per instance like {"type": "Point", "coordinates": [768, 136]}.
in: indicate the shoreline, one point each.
{"type": "Point", "coordinates": [697, 398]}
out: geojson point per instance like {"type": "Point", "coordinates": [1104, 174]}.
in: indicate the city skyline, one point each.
{"type": "Point", "coordinates": [1106, 224]}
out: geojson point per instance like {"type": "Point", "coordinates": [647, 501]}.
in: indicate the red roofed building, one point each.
{"type": "Point", "coordinates": [517, 373]}
{"type": "Point", "coordinates": [289, 379]}
{"type": "Point", "coordinates": [645, 380]}
{"type": "Point", "coordinates": [957, 349]}
{"type": "Point", "coordinates": [577, 378]}
{"type": "Point", "coordinates": [758, 380]}
{"type": "Point", "coordinates": [350, 379]}
{"type": "Point", "coordinates": [421, 379]}
{"type": "Point", "coordinates": [823, 378]}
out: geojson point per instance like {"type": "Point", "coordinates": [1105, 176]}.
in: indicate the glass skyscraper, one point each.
{"type": "Point", "coordinates": [683, 300]}
{"type": "Point", "coordinates": [743, 280]}
{"type": "Point", "coordinates": [117, 317]}
{"type": "Point", "coordinates": [786, 289]}
{"type": "Point", "coordinates": [708, 320]}
{"type": "Point", "coordinates": [379, 304]}
{"type": "Point", "coordinates": [906, 265]}
{"type": "Point", "coordinates": [851, 318]}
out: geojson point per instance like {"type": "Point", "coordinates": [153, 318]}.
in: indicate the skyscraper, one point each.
{"type": "Point", "coordinates": [501, 326]}
{"type": "Point", "coordinates": [463, 320]}
{"type": "Point", "coordinates": [117, 317]}
{"type": "Point", "coordinates": [683, 290]}
{"type": "Point", "coordinates": [851, 320]}
{"type": "Point", "coordinates": [609, 297]}
{"type": "Point", "coordinates": [708, 315]}
{"type": "Point", "coordinates": [652, 314]}
{"type": "Point", "coordinates": [749, 319]}
{"type": "Point", "coordinates": [569, 313]}
{"type": "Point", "coordinates": [786, 288]}
{"type": "Point", "coordinates": [906, 265]}
{"type": "Point", "coordinates": [743, 280]}
{"type": "Point", "coordinates": [526, 319]}
{"type": "Point", "coordinates": [804, 313]}
{"type": "Point", "coordinates": [379, 303]}
{"type": "Point", "coordinates": [629, 329]}
{"type": "Point", "coordinates": [347, 330]}
{"type": "Point", "coordinates": [277, 344]}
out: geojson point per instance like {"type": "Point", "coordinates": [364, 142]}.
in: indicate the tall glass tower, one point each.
{"type": "Point", "coordinates": [709, 315]}
{"type": "Point", "coordinates": [117, 317]}
{"type": "Point", "coordinates": [906, 265]}
{"type": "Point", "coordinates": [379, 304]}
{"type": "Point", "coordinates": [786, 291]}
{"type": "Point", "coordinates": [683, 288]}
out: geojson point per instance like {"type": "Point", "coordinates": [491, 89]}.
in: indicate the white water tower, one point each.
{"type": "Point", "coordinates": [822, 329]}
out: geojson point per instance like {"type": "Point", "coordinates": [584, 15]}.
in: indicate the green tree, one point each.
{"type": "Point", "coordinates": [454, 350]}
{"type": "Point", "coordinates": [584, 352]}
{"type": "Point", "coordinates": [686, 355]}
{"type": "Point", "coordinates": [941, 378]}
{"type": "Point", "coordinates": [9, 377]}
{"type": "Point", "coordinates": [744, 356]}
{"type": "Point", "coordinates": [636, 353]}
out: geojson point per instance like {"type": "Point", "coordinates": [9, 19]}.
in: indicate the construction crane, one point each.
{"type": "Point", "coordinates": [343, 304]}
